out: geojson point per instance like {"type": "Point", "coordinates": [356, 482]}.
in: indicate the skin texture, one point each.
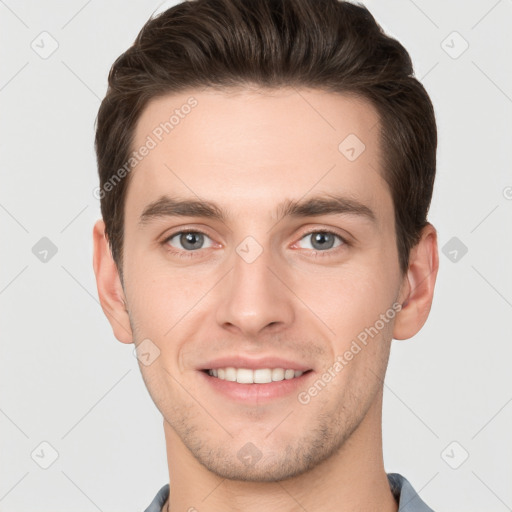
{"type": "Point", "coordinates": [247, 151]}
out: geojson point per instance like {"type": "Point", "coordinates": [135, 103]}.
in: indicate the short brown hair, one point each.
{"type": "Point", "coordinates": [328, 45]}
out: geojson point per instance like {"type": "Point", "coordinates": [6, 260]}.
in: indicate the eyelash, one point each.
{"type": "Point", "coordinates": [191, 254]}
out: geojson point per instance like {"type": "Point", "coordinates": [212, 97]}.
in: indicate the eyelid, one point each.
{"type": "Point", "coordinates": [184, 232]}
{"type": "Point", "coordinates": [169, 233]}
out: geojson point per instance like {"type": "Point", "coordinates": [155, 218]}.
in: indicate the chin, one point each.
{"type": "Point", "coordinates": [251, 465]}
{"type": "Point", "coordinates": [259, 473]}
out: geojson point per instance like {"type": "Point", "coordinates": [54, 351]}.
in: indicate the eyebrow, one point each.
{"type": "Point", "coordinates": [172, 207]}
{"type": "Point", "coordinates": [324, 205]}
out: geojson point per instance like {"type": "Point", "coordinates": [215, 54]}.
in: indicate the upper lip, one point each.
{"type": "Point", "coordinates": [254, 363]}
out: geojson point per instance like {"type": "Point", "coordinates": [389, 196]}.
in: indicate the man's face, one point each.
{"type": "Point", "coordinates": [293, 259]}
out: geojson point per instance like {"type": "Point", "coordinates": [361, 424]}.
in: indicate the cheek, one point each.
{"type": "Point", "coordinates": [347, 301]}
{"type": "Point", "coordinates": [351, 305]}
{"type": "Point", "coordinates": [158, 300]}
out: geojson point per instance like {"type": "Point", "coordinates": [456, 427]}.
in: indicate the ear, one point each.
{"type": "Point", "coordinates": [418, 285]}
{"type": "Point", "coordinates": [110, 290]}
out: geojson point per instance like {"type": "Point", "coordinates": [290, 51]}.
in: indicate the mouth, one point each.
{"type": "Point", "coordinates": [255, 386]}
{"type": "Point", "coordinates": [254, 376]}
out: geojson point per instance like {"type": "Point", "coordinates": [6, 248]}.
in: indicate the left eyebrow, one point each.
{"type": "Point", "coordinates": [326, 205]}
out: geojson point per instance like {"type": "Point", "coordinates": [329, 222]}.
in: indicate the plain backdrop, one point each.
{"type": "Point", "coordinates": [72, 397]}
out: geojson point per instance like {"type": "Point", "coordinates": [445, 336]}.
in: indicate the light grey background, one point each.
{"type": "Point", "coordinates": [66, 381]}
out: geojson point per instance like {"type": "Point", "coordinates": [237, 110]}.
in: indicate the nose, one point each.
{"type": "Point", "coordinates": [253, 299]}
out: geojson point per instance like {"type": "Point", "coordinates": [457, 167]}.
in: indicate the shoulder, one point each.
{"type": "Point", "coordinates": [159, 500]}
{"type": "Point", "coordinates": [404, 493]}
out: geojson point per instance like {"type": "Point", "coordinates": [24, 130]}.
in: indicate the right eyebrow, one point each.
{"type": "Point", "coordinates": [171, 207]}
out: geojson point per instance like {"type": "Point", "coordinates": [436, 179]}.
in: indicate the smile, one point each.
{"type": "Point", "coordinates": [257, 376]}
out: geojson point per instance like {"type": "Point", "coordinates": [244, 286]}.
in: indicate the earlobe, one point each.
{"type": "Point", "coordinates": [110, 290]}
{"type": "Point", "coordinates": [418, 287]}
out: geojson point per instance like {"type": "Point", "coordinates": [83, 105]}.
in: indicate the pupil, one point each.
{"type": "Point", "coordinates": [191, 240]}
{"type": "Point", "coordinates": [323, 241]}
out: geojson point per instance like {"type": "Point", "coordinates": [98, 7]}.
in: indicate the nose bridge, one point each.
{"type": "Point", "coordinates": [253, 297]}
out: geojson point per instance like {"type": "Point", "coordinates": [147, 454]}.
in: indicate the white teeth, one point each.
{"type": "Point", "coordinates": [263, 376]}
{"type": "Point", "coordinates": [231, 374]}
{"type": "Point", "coordinates": [277, 374]}
{"type": "Point", "coordinates": [259, 376]}
{"type": "Point", "coordinates": [244, 376]}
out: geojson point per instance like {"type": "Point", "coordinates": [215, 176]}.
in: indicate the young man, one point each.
{"type": "Point", "coordinates": [266, 168]}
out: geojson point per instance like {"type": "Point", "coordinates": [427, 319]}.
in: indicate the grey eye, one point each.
{"type": "Point", "coordinates": [321, 241]}
{"type": "Point", "coordinates": [190, 241]}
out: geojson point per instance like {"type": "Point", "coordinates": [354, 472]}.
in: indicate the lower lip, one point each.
{"type": "Point", "coordinates": [256, 392]}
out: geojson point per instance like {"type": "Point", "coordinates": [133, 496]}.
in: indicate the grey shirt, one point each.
{"type": "Point", "coordinates": [406, 497]}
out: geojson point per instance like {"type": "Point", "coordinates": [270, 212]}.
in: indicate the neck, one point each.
{"type": "Point", "coordinates": [351, 480]}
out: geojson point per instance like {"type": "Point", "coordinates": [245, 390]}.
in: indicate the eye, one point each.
{"type": "Point", "coordinates": [189, 241]}
{"type": "Point", "coordinates": [320, 241]}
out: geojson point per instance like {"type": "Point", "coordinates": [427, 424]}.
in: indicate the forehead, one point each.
{"type": "Point", "coordinates": [254, 148]}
